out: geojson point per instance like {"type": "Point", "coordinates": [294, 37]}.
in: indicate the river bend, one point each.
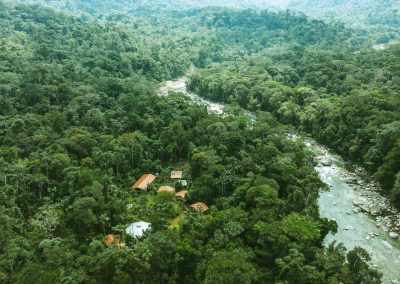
{"type": "Point", "coordinates": [344, 202]}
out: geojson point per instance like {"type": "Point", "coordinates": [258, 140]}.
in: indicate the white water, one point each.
{"type": "Point", "coordinates": [354, 229]}
{"type": "Point", "coordinates": [179, 86]}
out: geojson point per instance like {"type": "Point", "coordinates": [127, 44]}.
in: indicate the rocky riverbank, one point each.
{"type": "Point", "coordinates": [370, 199]}
{"type": "Point", "coordinates": [364, 217]}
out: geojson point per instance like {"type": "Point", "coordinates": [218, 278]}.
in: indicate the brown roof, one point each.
{"type": "Point", "coordinates": [176, 174]}
{"type": "Point", "coordinates": [144, 182]}
{"type": "Point", "coordinates": [166, 188]}
{"type": "Point", "coordinates": [111, 240]}
{"type": "Point", "coordinates": [199, 206]}
{"type": "Point", "coordinates": [181, 194]}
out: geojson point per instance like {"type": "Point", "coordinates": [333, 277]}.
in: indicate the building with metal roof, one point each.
{"type": "Point", "coordinates": [176, 174]}
{"type": "Point", "coordinates": [137, 229]}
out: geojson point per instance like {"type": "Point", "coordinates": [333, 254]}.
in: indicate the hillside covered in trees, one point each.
{"type": "Point", "coordinates": [81, 121]}
{"type": "Point", "coordinates": [379, 18]}
{"type": "Point", "coordinates": [367, 12]}
{"type": "Point", "coordinates": [349, 102]}
{"type": "Point", "coordinates": [98, 7]}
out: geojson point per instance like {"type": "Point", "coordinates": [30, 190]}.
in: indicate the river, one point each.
{"type": "Point", "coordinates": [355, 227]}
{"type": "Point", "coordinates": [348, 200]}
{"type": "Point", "coordinates": [179, 85]}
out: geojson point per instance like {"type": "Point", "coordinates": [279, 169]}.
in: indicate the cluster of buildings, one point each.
{"type": "Point", "coordinates": [138, 229]}
{"type": "Point", "coordinates": [147, 179]}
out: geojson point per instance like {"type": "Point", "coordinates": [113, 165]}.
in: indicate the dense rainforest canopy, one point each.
{"type": "Point", "coordinates": [349, 102]}
{"type": "Point", "coordinates": [380, 18]}
{"type": "Point", "coordinates": [367, 12]}
{"type": "Point", "coordinates": [80, 121]}
{"type": "Point", "coordinates": [98, 7]}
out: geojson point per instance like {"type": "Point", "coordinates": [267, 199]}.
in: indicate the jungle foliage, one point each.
{"type": "Point", "coordinates": [347, 101]}
{"type": "Point", "coordinates": [80, 121]}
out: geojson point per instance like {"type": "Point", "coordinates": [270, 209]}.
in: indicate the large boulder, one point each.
{"type": "Point", "coordinates": [326, 162]}
{"type": "Point", "coordinates": [351, 180]}
{"type": "Point", "coordinates": [394, 235]}
{"type": "Point", "coordinates": [376, 211]}
{"type": "Point", "coordinates": [359, 201]}
{"type": "Point", "coordinates": [360, 182]}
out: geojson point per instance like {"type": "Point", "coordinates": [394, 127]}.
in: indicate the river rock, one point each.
{"type": "Point", "coordinates": [365, 208]}
{"type": "Point", "coordinates": [376, 211]}
{"type": "Point", "coordinates": [387, 245]}
{"type": "Point", "coordinates": [351, 180]}
{"type": "Point", "coordinates": [359, 201]}
{"type": "Point", "coordinates": [326, 162]}
{"type": "Point", "coordinates": [394, 235]}
{"type": "Point", "coordinates": [370, 236]}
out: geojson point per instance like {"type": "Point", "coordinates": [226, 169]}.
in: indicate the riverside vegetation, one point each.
{"type": "Point", "coordinates": [80, 121]}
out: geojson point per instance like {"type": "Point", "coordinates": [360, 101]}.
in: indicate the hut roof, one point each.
{"type": "Point", "coordinates": [144, 182]}
{"type": "Point", "coordinates": [111, 240]}
{"type": "Point", "coordinates": [176, 174]}
{"type": "Point", "coordinates": [137, 229]}
{"type": "Point", "coordinates": [181, 194]}
{"type": "Point", "coordinates": [199, 206]}
{"type": "Point", "coordinates": [166, 188]}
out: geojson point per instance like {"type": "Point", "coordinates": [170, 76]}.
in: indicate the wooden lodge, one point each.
{"type": "Point", "coordinates": [144, 182]}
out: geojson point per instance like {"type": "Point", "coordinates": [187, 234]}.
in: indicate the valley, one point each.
{"type": "Point", "coordinates": [216, 142]}
{"type": "Point", "coordinates": [355, 227]}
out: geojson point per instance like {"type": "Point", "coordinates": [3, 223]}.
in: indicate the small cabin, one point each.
{"type": "Point", "coordinates": [112, 240]}
{"type": "Point", "coordinates": [200, 207]}
{"type": "Point", "coordinates": [137, 229]}
{"type": "Point", "coordinates": [181, 194]}
{"type": "Point", "coordinates": [144, 182]}
{"type": "Point", "coordinates": [176, 174]}
{"type": "Point", "coordinates": [166, 188]}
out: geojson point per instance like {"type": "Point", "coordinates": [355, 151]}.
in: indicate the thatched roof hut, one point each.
{"type": "Point", "coordinates": [200, 206]}
{"type": "Point", "coordinates": [181, 194]}
{"type": "Point", "coordinates": [166, 188]}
